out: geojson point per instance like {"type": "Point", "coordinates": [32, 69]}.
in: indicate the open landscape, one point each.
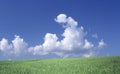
{"type": "Point", "coordinates": [94, 65]}
{"type": "Point", "coordinates": [59, 37]}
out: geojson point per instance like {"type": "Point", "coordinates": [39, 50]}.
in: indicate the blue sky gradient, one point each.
{"type": "Point", "coordinates": [32, 19]}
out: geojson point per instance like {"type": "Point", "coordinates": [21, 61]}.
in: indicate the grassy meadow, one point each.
{"type": "Point", "coordinates": [94, 65]}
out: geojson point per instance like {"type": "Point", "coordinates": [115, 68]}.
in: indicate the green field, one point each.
{"type": "Point", "coordinates": [96, 65]}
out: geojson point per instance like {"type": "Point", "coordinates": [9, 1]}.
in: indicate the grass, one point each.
{"type": "Point", "coordinates": [96, 65]}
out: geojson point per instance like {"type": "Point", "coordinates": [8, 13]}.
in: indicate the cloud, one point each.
{"type": "Point", "coordinates": [73, 44]}
{"type": "Point", "coordinates": [50, 43]}
{"type": "Point", "coordinates": [101, 44]}
{"type": "Point", "coordinates": [89, 54]}
{"type": "Point", "coordinates": [95, 36]}
{"type": "Point", "coordinates": [88, 45]}
{"type": "Point", "coordinates": [4, 45]}
{"type": "Point", "coordinates": [66, 21]}
{"type": "Point", "coordinates": [61, 18]}
{"type": "Point", "coordinates": [17, 46]}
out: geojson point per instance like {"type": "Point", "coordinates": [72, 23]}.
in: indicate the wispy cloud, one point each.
{"type": "Point", "coordinates": [95, 36]}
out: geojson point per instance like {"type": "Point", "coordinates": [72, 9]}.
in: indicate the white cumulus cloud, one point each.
{"type": "Point", "coordinates": [17, 46]}
{"type": "Point", "coordinates": [73, 43]}
{"type": "Point", "coordinates": [4, 45]}
{"type": "Point", "coordinates": [62, 18]}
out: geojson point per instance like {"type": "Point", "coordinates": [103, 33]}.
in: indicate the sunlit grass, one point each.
{"type": "Point", "coordinates": [96, 65]}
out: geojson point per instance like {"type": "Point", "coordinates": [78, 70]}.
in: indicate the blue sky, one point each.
{"type": "Point", "coordinates": [31, 20]}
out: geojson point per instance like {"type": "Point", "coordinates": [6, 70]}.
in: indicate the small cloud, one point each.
{"type": "Point", "coordinates": [88, 55]}
{"type": "Point", "coordinates": [88, 45]}
{"type": "Point", "coordinates": [9, 59]}
{"type": "Point", "coordinates": [101, 44]}
{"type": "Point", "coordinates": [95, 36]}
{"type": "Point", "coordinates": [61, 18]}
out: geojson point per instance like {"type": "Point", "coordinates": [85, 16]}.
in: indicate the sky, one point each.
{"type": "Point", "coordinates": [59, 29]}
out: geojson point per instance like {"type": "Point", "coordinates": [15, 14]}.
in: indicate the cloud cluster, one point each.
{"type": "Point", "coordinates": [73, 44]}
{"type": "Point", "coordinates": [17, 46]}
